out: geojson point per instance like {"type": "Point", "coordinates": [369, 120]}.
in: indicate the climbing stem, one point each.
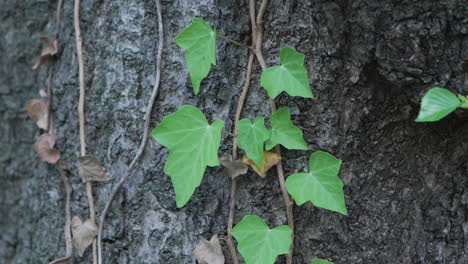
{"type": "Point", "coordinates": [233, 41]}
{"type": "Point", "coordinates": [144, 139]}
{"type": "Point", "coordinates": [79, 52]}
{"type": "Point", "coordinates": [279, 167]}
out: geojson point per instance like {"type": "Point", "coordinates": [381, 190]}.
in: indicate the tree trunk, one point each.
{"type": "Point", "coordinates": [369, 63]}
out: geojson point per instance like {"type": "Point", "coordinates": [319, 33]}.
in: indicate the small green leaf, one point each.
{"type": "Point", "coordinates": [320, 261]}
{"type": "Point", "coordinates": [321, 185]}
{"type": "Point", "coordinates": [193, 144]}
{"type": "Point", "coordinates": [259, 244]}
{"type": "Point", "coordinates": [436, 104]}
{"type": "Point", "coordinates": [284, 132]}
{"type": "Point", "coordinates": [290, 77]}
{"type": "Point", "coordinates": [199, 42]}
{"type": "Point", "coordinates": [251, 138]}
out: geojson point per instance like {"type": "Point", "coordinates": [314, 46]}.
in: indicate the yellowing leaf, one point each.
{"type": "Point", "coordinates": [83, 233]}
{"type": "Point", "coordinates": [45, 148]}
{"type": "Point", "coordinates": [90, 169]}
{"type": "Point", "coordinates": [233, 168]}
{"type": "Point", "coordinates": [209, 252]}
{"type": "Point", "coordinates": [49, 49]}
{"type": "Point", "coordinates": [270, 159]}
{"type": "Point", "coordinates": [38, 110]}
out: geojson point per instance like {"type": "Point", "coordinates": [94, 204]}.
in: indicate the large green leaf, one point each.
{"type": "Point", "coordinates": [251, 138]}
{"type": "Point", "coordinates": [436, 104]}
{"type": "Point", "coordinates": [259, 244]}
{"type": "Point", "coordinates": [290, 77]}
{"type": "Point", "coordinates": [199, 42]}
{"type": "Point", "coordinates": [320, 261]}
{"type": "Point", "coordinates": [193, 144]}
{"type": "Point", "coordinates": [284, 132]}
{"type": "Point", "coordinates": [321, 185]}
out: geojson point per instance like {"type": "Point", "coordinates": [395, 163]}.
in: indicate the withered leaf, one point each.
{"type": "Point", "coordinates": [44, 146]}
{"type": "Point", "coordinates": [83, 233]}
{"type": "Point", "coordinates": [38, 110]}
{"type": "Point", "coordinates": [209, 252]}
{"type": "Point", "coordinates": [90, 169]}
{"type": "Point", "coordinates": [270, 159]}
{"type": "Point", "coordinates": [49, 49]}
{"type": "Point", "coordinates": [233, 168]}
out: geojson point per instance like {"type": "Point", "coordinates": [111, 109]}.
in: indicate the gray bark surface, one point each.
{"type": "Point", "coordinates": [369, 63]}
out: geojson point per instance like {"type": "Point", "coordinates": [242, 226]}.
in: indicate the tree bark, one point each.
{"type": "Point", "coordinates": [369, 63]}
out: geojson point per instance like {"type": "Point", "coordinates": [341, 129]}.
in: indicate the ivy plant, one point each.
{"type": "Point", "coordinates": [193, 145]}
{"type": "Point", "coordinates": [290, 76]}
{"type": "Point", "coordinates": [199, 42]}
{"type": "Point", "coordinates": [259, 244]}
{"type": "Point", "coordinates": [438, 102]}
{"type": "Point", "coordinates": [320, 185]}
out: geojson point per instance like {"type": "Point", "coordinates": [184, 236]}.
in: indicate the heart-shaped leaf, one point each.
{"type": "Point", "coordinates": [38, 110]}
{"type": "Point", "coordinates": [284, 132]}
{"type": "Point", "coordinates": [199, 42]}
{"type": "Point", "coordinates": [251, 138]}
{"type": "Point", "coordinates": [83, 233]}
{"type": "Point", "coordinates": [436, 104]}
{"type": "Point", "coordinates": [259, 244]}
{"type": "Point", "coordinates": [49, 49]}
{"type": "Point", "coordinates": [290, 77]}
{"type": "Point", "coordinates": [320, 261]}
{"type": "Point", "coordinates": [233, 168]}
{"type": "Point", "coordinates": [321, 185]}
{"type": "Point", "coordinates": [45, 148]}
{"type": "Point", "coordinates": [193, 145]}
{"type": "Point", "coordinates": [90, 169]}
{"type": "Point", "coordinates": [209, 252]}
{"type": "Point", "coordinates": [270, 159]}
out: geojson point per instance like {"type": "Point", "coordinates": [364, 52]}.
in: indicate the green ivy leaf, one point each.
{"type": "Point", "coordinates": [320, 261]}
{"type": "Point", "coordinates": [321, 185]}
{"type": "Point", "coordinates": [251, 138]}
{"type": "Point", "coordinates": [259, 244]}
{"type": "Point", "coordinates": [193, 144]}
{"type": "Point", "coordinates": [284, 132]}
{"type": "Point", "coordinates": [290, 77]}
{"type": "Point", "coordinates": [199, 42]}
{"type": "Point", "coordinates": [436, 104]}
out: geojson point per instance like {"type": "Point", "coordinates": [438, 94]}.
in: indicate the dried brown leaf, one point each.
{"type": "Point", "coordinates": [38, 110]}
{"type": "Point", "coordinates": [209, 252]}
{"type": "Point", "coordinates": [233, 168]}
{"type": "Point", "coordinates": [49, 49]}
{"type": "Point", "coordinates": [269, 160]}
{"type": "Point", "coordinates": [83, 233]}
{"type": "Point", "coordinates": [45, 148]}
{"type": "Point", "coordinates": [90, 169]}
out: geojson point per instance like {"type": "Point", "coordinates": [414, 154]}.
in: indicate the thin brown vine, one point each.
{"type": "Point", "coordinates": [79, 51]}
{"type": "Point", "coordinates": [145, 132]}
{"type": "Point", "coordinates": [67, 232]}
{"type": "Point", "coordinates": [232, 201]}
{"type": "Point", "coordinates": [279, 166]}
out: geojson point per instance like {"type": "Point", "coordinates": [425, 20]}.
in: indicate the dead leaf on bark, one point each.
{"type": "Point", "coordinates": [49, 49]}
{"type": "Point", "coordinates": [269, 160]}
{"type": "Point", "coordinates": [45, 148]}
{"type": "Point", "coordinates": [83, 233]}
{"type": "Point", "coordinates": [209, 252]}
{"type": "Point", "coordinates": [233, 168]}
{"type": "Point", "coordinates": [90, 169]}
{"type": "Point", "coordinates": [38, 110]}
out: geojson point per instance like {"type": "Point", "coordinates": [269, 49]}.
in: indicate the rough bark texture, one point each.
{"type": "Point", "coordinates": [369, 63]}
